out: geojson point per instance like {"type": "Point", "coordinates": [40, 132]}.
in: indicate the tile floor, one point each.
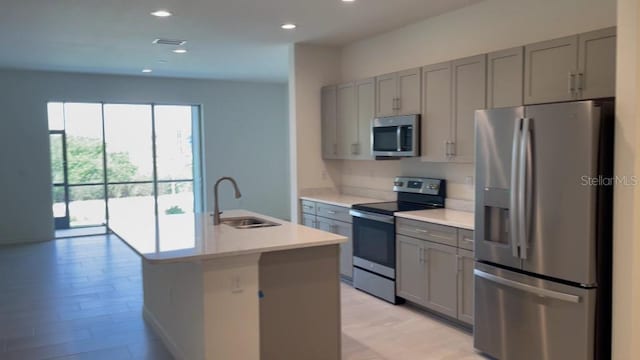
{"type": "Point", "coordinates": [81, 298]}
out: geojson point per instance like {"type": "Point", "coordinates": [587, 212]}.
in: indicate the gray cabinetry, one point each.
{"type": "Point", "coordinates": [453, 91]}
{"type": "Point", "coordinates": [329, 122]}
{"type": "Point", "coordinates": [571, 68]}
{"type": "Point", "coordinates": [465, 286]}
{"type": "Point", "coordinates": [436, 114]}
{"type": "Point", "coordinates": [550, 68]}
{"type": "Point", "coordinates": [347, 111]}
{"type": "Point", "coordinates": [411, 282]}
{"type": "Point", "coordinates": [333, 219]}
{"type": "Point", "coordinates": [365, 112]}
{"type": "Point", "coordinates": [433, 270]}
{"type": "Point", "coordinates": [347, 126]}
{"type": "Point", "coordinates": [442, 275]}
{"type": "Point", "coordinates": [469, 88]}
{"type": "Point", "coordinates": [398, 93]}
{"type": "Point", "coordinates": [597, 64]}
{"type": "Point", "coordinates": [505, 78]}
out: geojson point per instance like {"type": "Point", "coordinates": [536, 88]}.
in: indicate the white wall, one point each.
{"type": "Point", "coordinates": [244, 130]}
{"type": "Point", "coordinates": [311, 67]}
{"type": "Point", "coordinates": [626, 244]}
{"type": "Point", "coordinates": [484, 27]}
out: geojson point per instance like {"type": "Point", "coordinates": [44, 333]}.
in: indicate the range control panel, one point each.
{"type": "Point", "coordinates": [418, 185]}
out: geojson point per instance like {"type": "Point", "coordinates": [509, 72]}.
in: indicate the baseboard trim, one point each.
{"type": "Point", "coordinates": [159, 330]}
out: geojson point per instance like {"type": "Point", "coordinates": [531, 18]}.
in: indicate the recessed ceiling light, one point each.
{"type": "Point", "coordinates": [348, 0]}
{"type": "Point", "coordinates": [161, 13]}
{"type": "Point", "coordinates": [180, 51]}
{"type": "Point", "coordinates": [288, 26]}
{"type": "Point", "coordinates": [146, 70]}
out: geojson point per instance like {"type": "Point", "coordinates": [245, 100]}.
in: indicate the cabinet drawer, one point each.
{"type": "Point", "coordinates": [333, 212]}
{"type": "Point", "coordinates": [465, 239]}
{"type": "Point", "coordinates": [442, 234]}
{"type": "Point", "coordinates": [309, 220]}
{"type": "Point", "coordinates": [308, 207]}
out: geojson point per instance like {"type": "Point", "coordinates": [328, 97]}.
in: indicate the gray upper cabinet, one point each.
{"type": "Point", "coordinates": [347, 125]}
{"type": "Point", "coordinates": [398, 93]}
{"type": "Point", "coordinates": [469, 95]}
{"type": "Point", "coordinates": [409, 92]}
{"type": "Point", "coordinates": [453, 91]}
{"type": "Point", "coordinates": [347, 111]}
{"type": "Point", "coordinates": [386, 94]}
{"type": "Point", "coordinates": [550, 70]}
{"type": "Point", "coordinates": [436, 111]}
{"type": "Point", "coordinates": [465, 286]}
{"type": "Point", "coordinates": [442, 291]}
{"type": "Point", "coordinates": [597, 64]}
{"type": "Point", "coordinates": [365, 99]}
{"type": "Point", "coordinates": [505, 70]}
{"type": "Point", "coordinates": [410, 282]}
{"type": "Point", "coordinates": [572, 68]}
{"type": "Point", "coordinates": [329, 125]}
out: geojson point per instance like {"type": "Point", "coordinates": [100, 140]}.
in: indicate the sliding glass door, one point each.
{"type": "Point", "coordinates": [111, 161]}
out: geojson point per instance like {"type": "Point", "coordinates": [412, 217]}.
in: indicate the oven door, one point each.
{"type": "Point", "coordinates": [374, 247]}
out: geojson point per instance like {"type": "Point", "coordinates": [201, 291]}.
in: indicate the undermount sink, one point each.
{"type": "Point", "coordinates": [247, 222]}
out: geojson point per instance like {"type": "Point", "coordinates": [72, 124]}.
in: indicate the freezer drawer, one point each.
{"type": "Point", "coordinates": [524, 318]}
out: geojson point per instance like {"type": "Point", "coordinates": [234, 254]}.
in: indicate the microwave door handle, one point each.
{"type": "Point", "coordinates": [399, 137]}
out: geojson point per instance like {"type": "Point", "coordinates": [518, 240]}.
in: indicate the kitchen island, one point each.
{"type": "Point", "coordinates": [220, 292]}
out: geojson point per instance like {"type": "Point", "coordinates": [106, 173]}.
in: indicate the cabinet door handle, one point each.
{"type": "Point", "coordinates": [398, 104]}
{"type": "Point", "coordinates": [572, 78]}
{"type": "Point", "coordinates": [420, 260]}
{"type": "Point", "coordinates": [421, 231]}
{"type": "Point", "coordinates": [580, 81]}
{"type": "Point", "coordinates": [331, 212]}
{"type": "Point", "coordinates": [452, 152]}
{"type": "Point", "coordinates": [335, 149]}
{"type": "Point", "coordinates": [355, 149]}
{"type": "Point", "coordinates": [458, 263]}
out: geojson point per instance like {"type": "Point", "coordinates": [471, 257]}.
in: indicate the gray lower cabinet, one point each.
{"type": "Point", "coordinates": [442, 275]}
{"type": "Point", "coordinates": [410, 283]}
{"type": "Point", "coordinates": [333, 219]}
{"type": "Point", "coordinates": [465, 286]}
{"type": "Point", "coordinates": [435, 274]}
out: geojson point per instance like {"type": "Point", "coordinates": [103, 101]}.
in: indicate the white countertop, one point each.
{"type": "Point", "coordinates": [189, 237]}
{"type": "Point", "coordinates": [455, 218]}
{"type": "Point", "coordinates": [340, 199]}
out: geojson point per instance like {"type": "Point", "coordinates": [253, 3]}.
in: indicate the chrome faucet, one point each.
{"type": "Point", "coordinates": [216, 207]}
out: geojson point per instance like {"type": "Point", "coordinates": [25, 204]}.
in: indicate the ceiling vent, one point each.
{"type": "Point", "coordinates": [170, 42]}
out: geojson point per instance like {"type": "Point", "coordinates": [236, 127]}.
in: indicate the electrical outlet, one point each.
{"type": "Point", "coordinates": [236, 286]}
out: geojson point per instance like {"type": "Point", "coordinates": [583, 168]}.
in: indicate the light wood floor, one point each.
{"type": "Point", "coordinates": [81, 298]}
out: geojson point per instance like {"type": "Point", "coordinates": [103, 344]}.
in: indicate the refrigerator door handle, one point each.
{"type": "Point", "coordinates": [546, 293]}
{"type": "Point", "coordinates": [524, 187]}
{"type": "Point", "coordinates": [513, 193]}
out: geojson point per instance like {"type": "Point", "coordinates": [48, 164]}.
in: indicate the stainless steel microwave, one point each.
{"type": "Point", "coordinates": [396, 136]}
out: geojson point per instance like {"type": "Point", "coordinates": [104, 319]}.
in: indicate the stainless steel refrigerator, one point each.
{"type": "Point", "coordinates": [543, 231]}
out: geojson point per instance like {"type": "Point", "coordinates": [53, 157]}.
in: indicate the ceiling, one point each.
{"type": "Point", "coordinates": [227, 39]}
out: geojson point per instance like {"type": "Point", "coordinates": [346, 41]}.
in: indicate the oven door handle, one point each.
{"type": "Point", "coordinates": [371, 216]}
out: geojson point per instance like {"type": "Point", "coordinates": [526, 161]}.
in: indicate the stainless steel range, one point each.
{"type": "Point", "coordinates": [374, 233]}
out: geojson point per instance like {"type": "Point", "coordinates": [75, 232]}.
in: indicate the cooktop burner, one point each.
{"type": "Point", "coordinates": [388, 208]}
